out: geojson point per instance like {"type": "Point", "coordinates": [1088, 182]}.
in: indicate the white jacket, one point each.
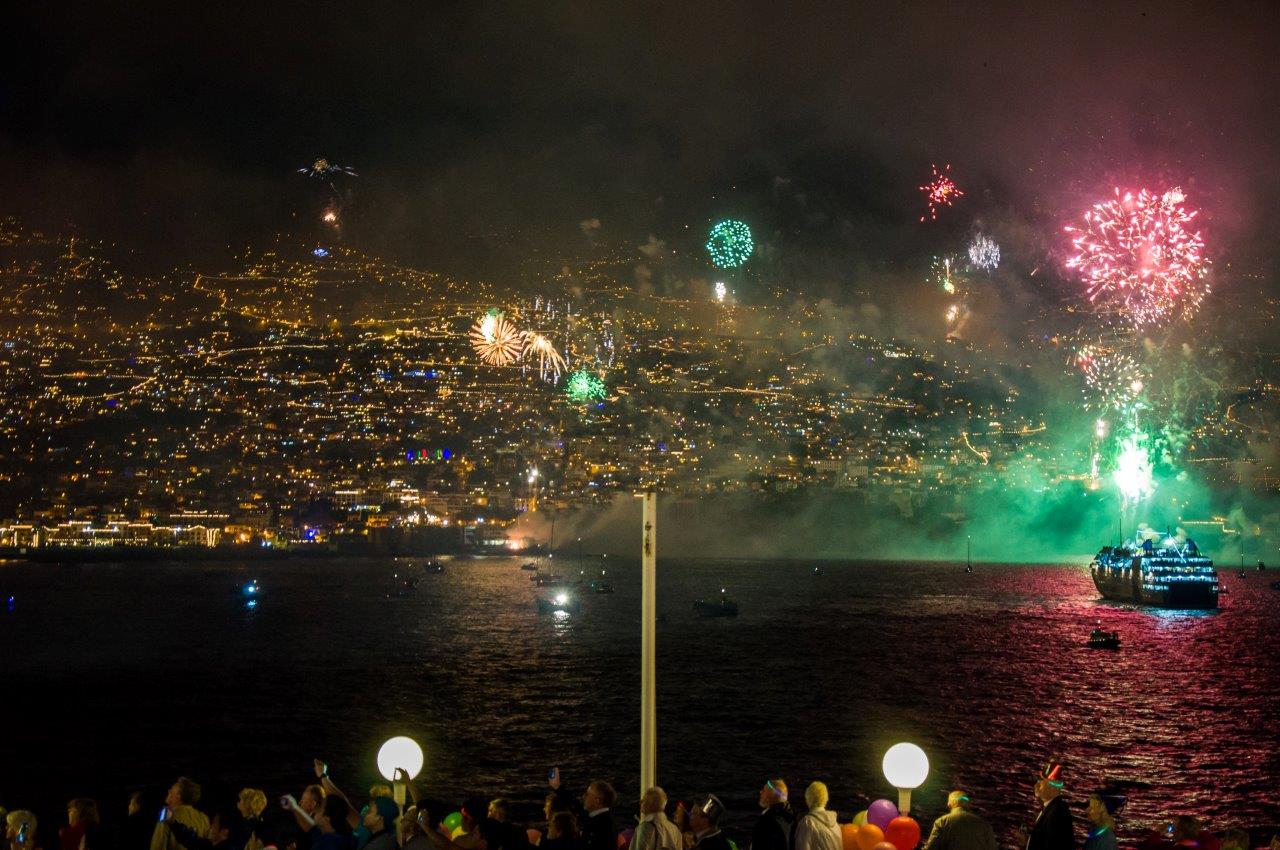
{"type": "Point", "coordinates": [818, 830]}
{"type": "Point", "coordinates": [656, 832]}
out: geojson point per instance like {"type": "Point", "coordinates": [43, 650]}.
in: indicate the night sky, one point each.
{"type": "Point", "coordinates": [178, 128]}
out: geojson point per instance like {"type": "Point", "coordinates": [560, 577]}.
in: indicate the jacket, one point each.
{"type": "Point", "coordinates": [961, 829]}
{"type": "Point", "coordinates": [774, 827]}
{"type": "Point", "coordinates": [656, 832]}
{"type": "Point", "coordinates": [163, 838]}
{"type": "Point", "coordinates": [711, 840]}
{"type": "Point", "coordinates": [1054, 829]}
{"type": "Point", "coordinates": [598, 831]}
{"type": "Point", "coordinates": [818, 830]}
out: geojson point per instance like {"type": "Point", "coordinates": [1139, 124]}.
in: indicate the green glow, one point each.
{"type": "Point", "coordinates": [730, 244]}
{"type": "Point", "coordinates": [1133, 472]}
{"type": "Point", "coordinates": [583, 387]}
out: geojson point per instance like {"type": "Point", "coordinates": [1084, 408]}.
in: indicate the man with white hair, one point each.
{"type": "Point", "coordinates": [959, 828]}
{"type": "Point", "coordinates": [817, 830]}
{"type": "Point", "coordinates": [777, 820]}
{"type": "Point", "coordinates": [655, 831]}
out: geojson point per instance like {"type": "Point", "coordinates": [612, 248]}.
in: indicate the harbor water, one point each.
{"type": "Point", "coordinates": [124, 675]}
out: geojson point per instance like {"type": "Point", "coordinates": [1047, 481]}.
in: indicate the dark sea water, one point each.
{"type": "Point", "coordinates": [124, 675]}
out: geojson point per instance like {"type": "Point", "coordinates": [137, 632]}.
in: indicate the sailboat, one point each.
{"type": "Point", "coordinates": [968, 554]}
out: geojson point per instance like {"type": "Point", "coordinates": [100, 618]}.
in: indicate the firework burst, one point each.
{"type": "Point", "coordinates": [496, 341]}
{"type": "Point", "coordinates": [943, 273]}
{"type": "Point", "coordinates": [324, 169]}
{"type": "Point", "coordinates": [584, 387]}
{"type": "Point", "coordinates": [550, 361]}
{"type": "Point", "coordinates": [720, 290]}
{"type": "Point", "coordinates": [1138, 253]}
{"type": "Point", "coordinates": [984, 253]}
{"type": "Point", "coordinates": [1113, 379]}
{"type": "Point", "coordinates": [730, 244]}
{"type": "Point", "coordinates": [940, 191]}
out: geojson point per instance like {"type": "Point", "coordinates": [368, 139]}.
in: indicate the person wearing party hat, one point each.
{"type": "Point", "coordinates": [704, 819]}
{"type": "Point", "coordinates": [1053, 829]}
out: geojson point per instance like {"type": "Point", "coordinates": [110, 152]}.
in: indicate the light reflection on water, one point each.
{"type": "Point", "coordinates": [814, 679]}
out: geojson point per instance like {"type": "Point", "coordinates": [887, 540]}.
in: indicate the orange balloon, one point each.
{"type": "Point", "coordinates": [903, 833]}
{"type": "Point", "coordinates": [869, 835]}
{"type": "Point", "coordinates": [849, 836]}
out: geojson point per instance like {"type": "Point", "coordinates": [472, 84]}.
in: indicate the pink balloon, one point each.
{"type": "Point", "coordinates": [903, 833]}
{"type": "Point", "coordinates": [881, 812]}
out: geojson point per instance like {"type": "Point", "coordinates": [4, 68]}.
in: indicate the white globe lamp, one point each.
{"type": "Point", "coordinates": [399, 751]}
{"type": "Point", "coordinates": [906, 767]}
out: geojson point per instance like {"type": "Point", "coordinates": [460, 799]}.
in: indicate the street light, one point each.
{"type": "Point", "coordinates": [905, 766]}
{"type": "Point", "coordinates": [399, 752]}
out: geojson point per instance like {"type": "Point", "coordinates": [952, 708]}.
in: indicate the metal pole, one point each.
{"type": "Point", "coordinates": [648, 627]}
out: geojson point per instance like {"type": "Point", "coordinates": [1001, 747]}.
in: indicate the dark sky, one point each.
{"type": "Point", "coordinates": [178, 127]}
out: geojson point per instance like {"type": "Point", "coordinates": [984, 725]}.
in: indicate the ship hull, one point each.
{"type": "Point", "coordinates": [1188, 597]}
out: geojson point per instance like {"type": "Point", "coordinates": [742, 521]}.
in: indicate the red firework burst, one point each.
{"type": "Point", "coordinates": [1137, 253]}
{"type": "Point", "coordinates": [940, 191]}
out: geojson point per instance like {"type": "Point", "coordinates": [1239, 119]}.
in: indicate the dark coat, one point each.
{"type": "Point", "coordinates": [599, 832]}
{"type": "Point", "coordinates": [714, 840]}
{"type": "Point", "coordinates": [1054, 829]}
{"type": "Point", "coordinates": [774, 828]}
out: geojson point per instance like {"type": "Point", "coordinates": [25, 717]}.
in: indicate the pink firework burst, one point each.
{"type": "Point", "coordinates": [1138, 253]}
{"type": "Point", "coordinates": [940, 191]}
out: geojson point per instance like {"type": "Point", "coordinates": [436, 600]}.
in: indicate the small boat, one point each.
{"type": "Point", "coordinates": [1099, 639]}
{"type": "Point", "coordinates": [1242, 573]}
{"type": "Point", "coordinates": [560, 603]}
{"type": "Point", "coordinates": [433, 567]}
{"type": "Point", "coordinates": [817, 571]}
{"type": "Point", "coordinates": [529, 566]}
{"type": "Point", "coordinates": [723, 607]}
{"type": "Point", "coordinates": [250, 589]}
{"type": "Point", "coordinates": [601, 587]}
{"type": "Point", "coordinates": [557, 581]}
{"type": "Point", "coordinates": [403, 587]}
{"type": "Point", "coordinates": [1262, 568]}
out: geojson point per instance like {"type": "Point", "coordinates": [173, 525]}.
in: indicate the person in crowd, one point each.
{"type": "Point", "coordinates": [180, 806]}
{"type": "Point", "coordinates": [655, 831]}
{"type": "Point", "coordinates": [309, 804]}
{"type": "Point", "coordinates": [553, 803]}
{"type": "Point", "coordinates": [380, 820]}
{"type": "Point", "coordinates": [960, 828]}
{"type": "Point", "coordinates": [499, 832]}
{"type": "Point", "coordinates": [562, 832]}
{"type": "Point", "coordinates": [1189, 832]}
{"type": "Point", "coordinates": [332, 830]}
{"type": "Point", "coordinates": [138, 825]}
{"type": "Point", "coordinates": [1102, 824]}
{"type": "Point", "coordinates": [1053, 828]}
{"type": "Point", "coordinates": [220, 835]}
{"type": "Point", "coordinates": [1235, 839]}
{"type": "Point", "coordinates": [777, 819]}
{"type": "Point", "coordinates": [250, 805]}
{"type": "Point", "coordinates": [82, 829]}
{"type": "Point", "coordinates": [704, 820]}
{"type": "Point", "coordinates": [596, 813]}
{"type": "Point", "coordinates": [20, 830]}
{"type": "Point", "coordinates": [818, 829]}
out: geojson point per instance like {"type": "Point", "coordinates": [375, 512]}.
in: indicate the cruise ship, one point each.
{"type": "Point", "coordinates": [1169, 573]}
